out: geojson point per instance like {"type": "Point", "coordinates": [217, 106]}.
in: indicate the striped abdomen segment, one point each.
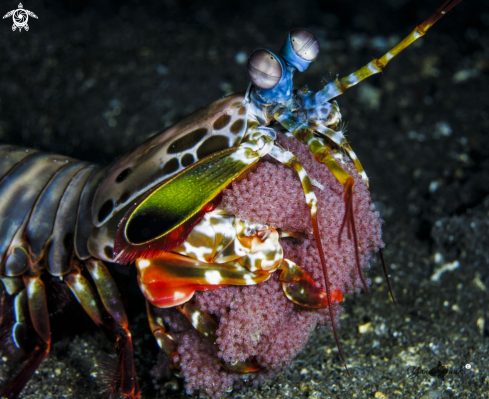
{"type": "Point", "coordinates": [45, 207]}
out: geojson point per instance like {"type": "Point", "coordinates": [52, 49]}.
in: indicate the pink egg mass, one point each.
{"type": "Point", "coordinates": [258, 322]}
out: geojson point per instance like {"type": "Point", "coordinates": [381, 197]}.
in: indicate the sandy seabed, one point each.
{"type": "Point", "coordinates": [91, 81]}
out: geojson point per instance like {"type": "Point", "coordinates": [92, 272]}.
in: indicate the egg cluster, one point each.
{"type": "Point", "coordinates": [258, 321]}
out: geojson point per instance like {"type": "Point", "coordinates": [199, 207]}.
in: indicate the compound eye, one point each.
{"type": "Point", "coordinates": [264, 69]}
{"type": "Point", "coordinates": [305, 44]}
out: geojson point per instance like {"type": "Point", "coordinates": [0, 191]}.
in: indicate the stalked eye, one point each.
{"type": "Point", "coordinates": [264, 69]}
{"type": "Point", "coordinates": [305, 44]}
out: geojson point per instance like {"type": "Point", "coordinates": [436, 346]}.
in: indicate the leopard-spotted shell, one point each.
{"type": "Point", "coordinates": [215, 127]}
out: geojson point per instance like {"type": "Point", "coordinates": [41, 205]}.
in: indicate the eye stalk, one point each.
{"type": "Point", "coordinates": [300, 49]}
{"type": "Point", "coordinates": [264, 69]}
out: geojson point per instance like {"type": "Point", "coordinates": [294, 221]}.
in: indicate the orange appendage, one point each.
{"type": "Point", "coordinates": [164, 295]}
{"type": "Point", "coordinates": [172, 279]}
{"type": "Point", "coordinates": [163, 291]}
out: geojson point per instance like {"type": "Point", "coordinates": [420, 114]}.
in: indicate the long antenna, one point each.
{"type": "Point", "coordinates": [386, 276]}
{"type": "Point", "coordinates": [339, 86]}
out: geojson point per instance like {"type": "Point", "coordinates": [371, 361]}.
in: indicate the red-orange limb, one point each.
{"type": "Point", "coordinates": [129, 384]}
{"type": "Point", "coordinates": [171, 279]}
{"type": "Point", "coordinates": [166, 296]}
{"type": "Point", "coordinates": [349, 221]}
{"type": "Point", "coordinates": [357, 253]}
{"type": "Point", "coordinates": [317, 237]}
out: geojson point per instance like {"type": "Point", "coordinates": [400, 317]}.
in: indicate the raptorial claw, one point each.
{"type": "Point", "coordinates": [172, 279]}
{"type": "Point", "coordinates": [202, 322]}
{"type": "Point", "coordinates": [165, 341]}
{"type": "Point", "coordinates": [301, 289]}
{"type": "Point", "coordinates": [248, 366]}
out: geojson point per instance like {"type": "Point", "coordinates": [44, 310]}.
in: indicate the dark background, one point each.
{"type": "Point", "coordinates": [92, 79]}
